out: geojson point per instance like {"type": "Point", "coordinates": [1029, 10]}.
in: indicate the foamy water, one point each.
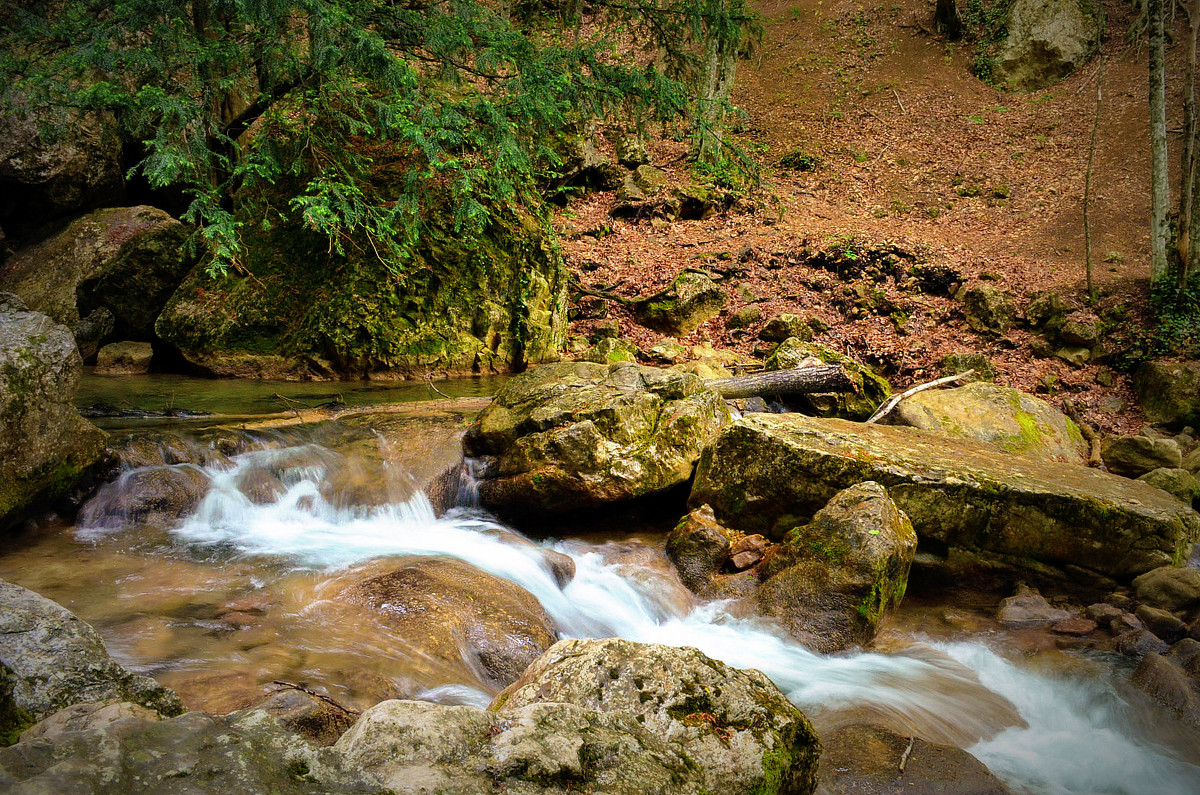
{"type": "Point", "coordinates": [1040, 733]}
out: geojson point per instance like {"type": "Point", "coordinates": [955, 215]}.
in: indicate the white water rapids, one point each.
{"type": "Point", "coordinates": [1074, 734]}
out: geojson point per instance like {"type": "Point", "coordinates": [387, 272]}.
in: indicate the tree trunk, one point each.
{"type": "Point", "coordinates": [1160, 190]}
{"type": "Point", "coordinates": [947, 20]}
{"type": "Point", "coordinates": [1087, 180]}
{"type": "Point", "coordinates": [802, 380]}
{"type": "Point", "coordinates": [720, 66]}
{"type": "Point", "coordinates": [1189, 181]}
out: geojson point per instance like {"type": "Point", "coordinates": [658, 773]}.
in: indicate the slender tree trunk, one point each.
{"type": "Point", "coordinates": [720, 66]}
{"type": "Point", "coordinates": [1160, 190]}
{"type": "Point", "coordinates": [1189, 182]}
{"type": "Point", "coordinates": [1087, 180]}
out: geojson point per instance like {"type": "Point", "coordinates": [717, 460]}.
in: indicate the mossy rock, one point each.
{"type": "Point", "coordinates": [608, 350]}
{"type": "Point", "coordinates": [988, 309]}
{"type": "Point", "coordinates": [1169, 391]}
{"type": "Point", "coordinates": [688, 301]}
{"type": "Point", "coordinates": [955, 363]}
{"type": "Point", "coordinates": [490, 305]}
{"type": "Point", "coordinates": [870, 389]}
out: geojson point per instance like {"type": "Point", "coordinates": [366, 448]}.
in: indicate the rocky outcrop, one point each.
{"type": "Point", "coordinates": [1169, 391]}
{"type": "Point", "coordinates": [744, 735]}
{"type": "Point", "coordinates": [679, 309]}
{"type": "Point", "coordinates": [832, 582]}
{"type": "Point", "coordinates": [1047, 40]}
{"type": "Point", "coordinates": [770, 471]}
{"type": "Point", "coordinates": [452, 610]}
{"type": "Point", "coordinates": [54, 660]}
{"type": "Point", "coordinates": [45, 446]}
{"type": "Point", "coordinates": [496, 304]}
{"type": "Point", "coordinates": [576, 436]}
{"type": "Point", "coordinates": [593, 716]}
{"type": "Point", "coordinates": [127, 261]}
{"type": "Point", "coordinates": [1005, 417]}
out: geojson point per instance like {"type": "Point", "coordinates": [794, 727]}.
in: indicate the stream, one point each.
{"type": "Point", "coordinates": [239, 594]}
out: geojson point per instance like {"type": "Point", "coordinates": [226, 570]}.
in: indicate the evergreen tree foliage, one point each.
{"type": "Point", "coordinates": [361, 118]}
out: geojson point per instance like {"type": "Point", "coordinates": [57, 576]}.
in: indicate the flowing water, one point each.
{"type": "Point", "coordinates": [242, 593]}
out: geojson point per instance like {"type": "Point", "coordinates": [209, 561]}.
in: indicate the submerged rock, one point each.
{"type": "Point", "coordinates": [1005, 417]}
{"type": "Point", "coordinates": [54, 660]}
{"type": "Point", "coordinates": [575, 436]}
{"type": "Point", "coordinates": [832, 582]}
{"type": "Point", "coordinates": [449, 609]}
{"type": "Point", "coordinates": [45, 446]}
{"type": "Point", "coordinates": [765, 473]}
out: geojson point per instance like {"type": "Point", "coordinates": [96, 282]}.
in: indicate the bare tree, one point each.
{"type": "Point", "coordinates": [1188, 236]}
{"type": "Point", "coordinates": [1160, 190]}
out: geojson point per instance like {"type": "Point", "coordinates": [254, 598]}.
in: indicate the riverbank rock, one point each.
{"type": "Point", "coordinates": [1028, 608]}
{"type": "Point", "coordinates": [765, 473]}
{"type": "Point", "coordinates": [679, 309]}
{"type": "Point", "coordinates": [1169, 587]}
{"type": "Point", "coordinates": [734, 724]}
{"type": "Point", "coordinates": [1169, 392]}
{"type": "Point", "coordinates": [1047, 40]}
{"type": "Point", "coordinates": [126, 260]}
{"type": "Point", "coordinates": [1133, 456]}
{"type": "Point", "coordinates": [698, 547]}
{"type": "Point", "coordinates": [1178, 482]}
{"type": "Point", "coordinates": [453, 610]}
{"type": "Point", "coordinates": [45, 446]}
{"type": "Point", "coordinates": [832, 582]}
{"type": "Point", "coordinates": [159, 496]}
{"type": "Point", "coordinates": [575, 436]}
{"type": "Point", "coordinates": [1005, 417]}
{"type": "Point", "coordinates": [54, 660]}
{"type": "Point", "coordinates": [494, 304]}
{"type": "Point", "coordinates": [124, 358]}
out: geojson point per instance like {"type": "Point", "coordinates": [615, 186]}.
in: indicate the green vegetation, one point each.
{"type": "Point", "coordinates": [365, 122]}
{"type": "Point", "coordinates": [986, 23]}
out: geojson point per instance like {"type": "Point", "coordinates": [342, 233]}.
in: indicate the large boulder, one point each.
{"type": "Point", "coordinates": [452, 610]}
{"type": "Point", "coordinates": [1005, 417]}
{"type": "Point", "coordinates": [575, 436]}
{"type": "Point", "coordinates": [45, 446]}
{"type": "Point", "coordinates": [126, 260]}
{"type": "Point", "coordinates": [1170, 391]}
{"type": "Point", "coordinates": [493, 304]}
{"type": "Point", "coordinates": [870, 389]}
{"type": "Point", "coordinates": [54, 660]}
{"type": "Point", "coordinates": [680, 308]}
{"type": "Point", "coordinates": [1047, 40]}
{"type": "Point", "coordinates": [832, 582]}
{"type": "Point", "coordinates": [770, 471]}
{"type": "Point", "coordinates": [48, 176]}
{"type": "Point", "coordinates": [735, 725]}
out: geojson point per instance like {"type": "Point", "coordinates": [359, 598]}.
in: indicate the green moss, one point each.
{"type": "Point", "coordinates": [777, 771]}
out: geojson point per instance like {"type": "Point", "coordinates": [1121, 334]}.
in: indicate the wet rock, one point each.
{"type": "Point", "coordinates": [444, 605]}
{"type": "Point", "coordinates": [260, 486]}
{"type": "Point", "coordinates": [575, 436]}
{"type": "Point", "coordinates": [1047, 40]}
{"type": "Point", "coordinates": [1005, 417]}
{"type": "Point", "coordinates": [1169, 587]}
{"type": "Point", "coordinates": [988, 309]}
{"type": "Point", "coordinates": [862, 758]}
{"type": "Point", "coordinates": [832, 582]}
{"type": "Point", "coordinates": [54, 660]}
{"type": "Point", "coordinates": [734, 724]}
{"type": "Point", "coordinates": [764, 473]}
{"type": "Point", "coordinates": [1178, 482]}
{"type": "Point", "coordinates": [1161, 623]}
{"type": "Point", "coordinates": [1166, 683]}
{"type": "Point", "coordinates": [45, 446]}
{"type": "Point", "coordinates": [85, 717]}
{"type": "Point", "coordinates": [689, 300]}
{"type": "Point", "coordinates": [157, 496]}
{"type": "Point", "coordinates": [698, 546]}
{"type": "Point", "coordinates": [1138, 643]}
{"type": "Point", "coordinates": [1125, 622]}
{"type": "Point", "coordinates": [1074, 626]}
{"type": "Point", "coordinates": [1169, 392]}
{"type": "Point", "coordinates": [127, 260]}
{"type": "Point", "coordinates": [1132, 456]}
{"type": "Point", "coordinates": [124, 358]}
{"type": "Point", "coordinates": [609, 351]}
{"type": "Point", "coordinates": [318, 719]}
{"type": "Point", "coordinates": [747, 551]}
{"type": "Point", "coordinates": [870, 389]}
{"type": "Point", "coordinates": [1028, 608]}
{"type": "Point", "coordinates": [1103, 613]}
{"type": "Point", "coordinates": [780, 327]}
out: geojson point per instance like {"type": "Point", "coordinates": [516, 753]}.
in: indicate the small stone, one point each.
{"type": "Point", "coordinates": [988, 309]}
{"type": "Point", "coordinates": [667, 352]}
{"type": "Point", "coordinates": [1074, 626]}
{"type": "Point", "coordinates": [1125, 622]}
{"type": "Point", "coordinates": [649, 179]}
{"type": "Point", "coordinates": [1169, 587]}
{"type": "Point", "coordinates": [1103, 613]}
{"type": "Point", "coordinates": [1028, 608]}
{"type": "Point", "coordinates": [1076, 357]}
{"type": "Point", "coordinates": [605, 329]}
{"type": "Point", "coordinates": [609, 351]}
{"type": "Point", "coordinates": [1140, 642]}
{"type": "Point", "coordinates": [1105, 377]}
{"type": "Point", "coordinates": [955, 363]}
{"type": "Point", "coordinates": [747, 551]}
{"type": "Point", "coordinates": [741, 318]}
{"type": "Point", "coordinates": [818, 325]}
{"type": "Point", "coordinates": [1080, 329]}
{"type": "Point", "coordinates": [1132, 456]}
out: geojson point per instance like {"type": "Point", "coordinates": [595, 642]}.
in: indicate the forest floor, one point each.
{"type": "Point", "coordinates": [915, 154]}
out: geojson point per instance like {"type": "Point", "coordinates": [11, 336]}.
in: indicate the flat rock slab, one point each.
{"type": "Point", "coordinates": [769, 473]}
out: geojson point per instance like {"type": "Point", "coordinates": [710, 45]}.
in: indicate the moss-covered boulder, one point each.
{"type": "Point", "coordinates": [575, 436]}
{"type": "Point", "coordinates": [45, 446]}
{"type": "Point", "coordinates": [124, 358]}
{"type": "Point", "coordinates": [689, 300]}
{"type": "Point", "coordinates": [832, 582]}
{"type": "Point", "coordinates": [988, 309]}
{"type": "Point", "coordinates": [1046, 41]}
{"type": "Point", "coordinates": [1170, 391]}
{"type": "Point", "coordinates": [126, 260]}
{"type": "Point", "coordinates": [1007, 418]}
{"type": "Point", "coordinates": [490, 305]}
{"type": "Point", "coordinates": [783, 326]}
{"type": "Point", "coordinates": [1178, 482]}
{"type": "Point", "coordinates": [870, 389]}
{"type": "Point", "coordinates": [773, 471]}
{"type": "Point", "coordinates": [735, 725]}
{"type": "Point", "coordinates": [609, 350]}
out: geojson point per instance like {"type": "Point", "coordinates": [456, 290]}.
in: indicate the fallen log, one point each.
{"type": "Point", "coordinates": [799, 381]}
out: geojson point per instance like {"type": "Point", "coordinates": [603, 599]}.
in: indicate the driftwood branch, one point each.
{"type": "Point", "coordinates": [315, 694]}
{"type": "Point", "coordinates": [801, 380]}
{"type": "Point", "coordinates": [894, 400]}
